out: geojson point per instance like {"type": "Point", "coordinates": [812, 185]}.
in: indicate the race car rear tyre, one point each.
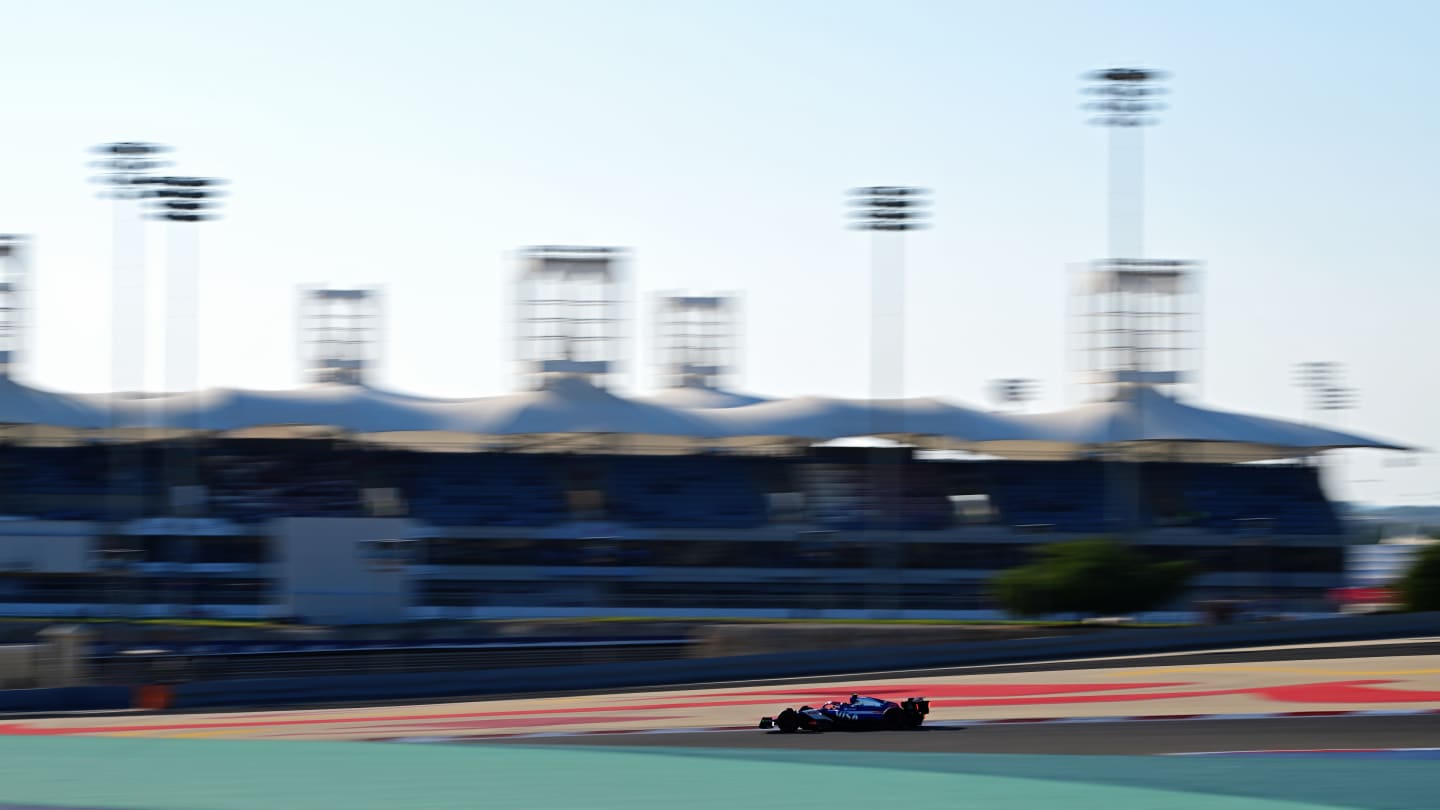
{"type": "Point", "coordinates": [894, 718]}
{"type": "Point", "coordinates": [787, 722]}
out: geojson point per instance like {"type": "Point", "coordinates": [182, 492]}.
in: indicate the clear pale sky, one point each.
{"type": "Point", "coordinates": [413, 144]}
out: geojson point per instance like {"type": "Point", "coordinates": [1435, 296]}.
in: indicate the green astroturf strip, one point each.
{"type": "Point", "coordinates": [200, 774]}
{"type": "Point", "coordinates": [1361, 784]}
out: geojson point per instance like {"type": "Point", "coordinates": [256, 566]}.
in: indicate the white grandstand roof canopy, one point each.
{"type": "Point", "coordinates": [825, 419]}
{"type": "Point", "coordinates": [809, 418]}
{"type": "Point", "coordinates": [699, 397]}
{"type": "Point", "coordinates": [567, 412]}
{"type": "Point", "coordinates": [1153, 425]}
{"type": "Point", "coordinates": [571, 404]}
{"type": "Point", "coordinates": [959, 426]}
{"type": "Point", "coordinates": [295, 412]}
{"type": "Point", "coordinates": [21, 404]}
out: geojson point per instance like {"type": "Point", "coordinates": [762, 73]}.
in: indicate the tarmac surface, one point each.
{"type": "Point", "coordinates": [1038, 735]}
{"type": "Point", "coordinates": [1287, 680]}
{"type": "Point", "coordinates": [1353, 734]}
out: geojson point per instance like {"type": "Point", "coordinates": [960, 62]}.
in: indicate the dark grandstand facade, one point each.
{"type": "Point", "coordinates": [832, 531]}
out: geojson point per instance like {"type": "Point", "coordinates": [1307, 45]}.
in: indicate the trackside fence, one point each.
{"type": "Point", "coordinates": [530, 678]}
{"type": "Point", "coordinates": [525, 680]}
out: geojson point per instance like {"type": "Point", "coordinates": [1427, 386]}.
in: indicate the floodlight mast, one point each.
{"type": "Point", "coordinates": [1126, 100]}
{"type": "Point", "coordinates": [182, 202]}
{"type": "Point", "coordinates": [1014, 392]}
{"type": "Point", "coordinates": [888, 213]}
{"type": "Point", "coordinates": [1136, 320]}
{"type": "Point", "coordinates": [126, 170]}
{"type": "Point", "coordinates": [1322, 382]}
{"type": "Point", "coordinates": [887, 210]}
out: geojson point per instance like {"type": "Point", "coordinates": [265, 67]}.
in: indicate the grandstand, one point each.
{"type": "Point", "coordinates": [342, 502]}
{"type": "Point", "coordinates": [499, 533]}
{"type": "Point", "coordinates": [248, 484]}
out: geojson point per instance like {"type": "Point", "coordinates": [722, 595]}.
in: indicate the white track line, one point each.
{"type": "Point", "coordinates": [1283, 751]}
{"type": "Point", "coordinates": [948, 724]}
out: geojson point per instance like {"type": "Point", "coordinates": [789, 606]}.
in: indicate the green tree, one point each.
{"type": "Point", "coordinates": [1420, 587]}
{"type": "Point", "coordinates": [1090, 577]}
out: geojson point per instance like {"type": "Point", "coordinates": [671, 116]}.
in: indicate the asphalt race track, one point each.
{"type": "Point", "coordinates": [1110, 738]}
{"type": "Point", "coordinates": [1401, 679]}
{"type": "Point", "coordinates": [1289, 728]}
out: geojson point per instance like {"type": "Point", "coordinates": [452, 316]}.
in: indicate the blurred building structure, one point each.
{"type": "Point", "coordinates": [1137, 322]}
{"type": "Point", "coordinates": [340, 333]}
{"type": "Point", "coordinates": [697, 339]}
{"type": "Point", "coordinates": [571, 314]}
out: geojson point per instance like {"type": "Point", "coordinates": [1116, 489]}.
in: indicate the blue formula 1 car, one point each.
{"type": "Point", "coordinates": [858, 713]}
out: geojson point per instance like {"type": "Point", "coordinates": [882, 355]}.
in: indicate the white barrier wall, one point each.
{"type": "Point", "coordinates": [17, 666]}
{"type": "Point", "coordinates": [60, 657]}
{"type": "Point", "coordinates": [323, 576]}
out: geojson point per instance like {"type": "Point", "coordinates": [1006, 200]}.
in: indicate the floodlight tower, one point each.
{"type": "Point", "coordinates": [182, 203]}
{"type": "Point", "coordinates": [888, 213]}
{"type": "Point", "coordinates": [1322, 383]}
{"type": "Point", "coordinates": [697, 339]}
{"type": "Point", "coordinates": [126, 169]}
{"type": "Point", "coordinates": [1125, 100]}
{"type": "Point", "coordinates": [340, 334]}
{"type": "Point", "coordinates": [1136, 321]}
{"type": "Point", "coordinates": [14, 281]}
{"type": "Point", "coordinates": [1014, 392]}
{"type": "Point", "coordinates": [570, 314]}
